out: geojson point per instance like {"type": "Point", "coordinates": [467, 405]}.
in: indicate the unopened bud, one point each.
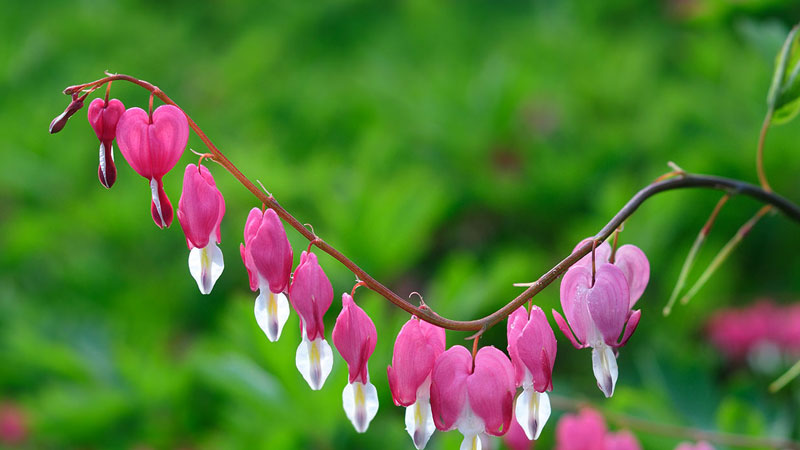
{"type": "Point", "coordinates": [61, 120]}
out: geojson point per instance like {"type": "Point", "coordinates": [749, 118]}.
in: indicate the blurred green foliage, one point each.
{"type": "Point", "coordinates": [450, 148]}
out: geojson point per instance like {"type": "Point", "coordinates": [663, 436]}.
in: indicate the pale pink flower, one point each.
{"type": "Point", "coordinates": [583, 431]}
{"type": "Point", "coordinates": [200, 211]}
{"type": "Point", "coordinates": [354, 336]}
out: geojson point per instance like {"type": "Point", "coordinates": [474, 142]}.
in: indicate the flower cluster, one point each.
{"type": "Point", "coordinates": [479, 393]}
{"type": "Point", "coordinates": [762, 326]}
{"type": "Point", "coordinates": [597, 295]}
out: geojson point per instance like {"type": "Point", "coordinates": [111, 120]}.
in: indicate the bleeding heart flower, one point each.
{"type": "Point", "coordinates": [267, 255]}
{"type": "Point", "coordinates": [418, 345]}
{"type": "Point", "coordinates": [702, 445]}
{"type": "Point", "coordinates": [598, 313]}
{"type": "Point", "coordinates": [583, 431]}
{"type": "Point", "coordinates": [474, 397]}
{"type": "Point", "coordinates": [311, 294]}
{"type": "Point", "coordinates": [532, 347]}
{"type": "Point", "coordinates": [621, 440]}
{"type": "Point", "coordinates": [200, 211]}
{"type": "Point", "coordinates": [103, 116]}
{"type": "Point", "coordinates": [152, 146]}
{"type": "Point", "coordinates": [354, 336]}
{"type": "Point", "coordinates": [629, 258]}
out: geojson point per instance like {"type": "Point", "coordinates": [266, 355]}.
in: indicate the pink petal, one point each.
{"type": "Point", "coordinates": [622, 440]}
{"type": "Point", "coordinates": [537, 349]}
{"type": "Point", "coordinates": [310, 294]}
{"type": "Point", "coordinates": [562, 325]}
{"type": "Point", "coordinates": [516, 322]}
{"type": "Point", "coordinates": [516, 439]}
{"type": "Point", "coordinates": [575, 288]}
{"type": "Point", "coordinates": [415, 351]}
{"type": "Point", "coordinates": [601, 253]}
{"type": "Point", "coordinates": [272, 254]}
{"type": "Point", "coordinates": [104, 117]}
{"type": "Point", "coordinates": [168, 135]}
{"type": "Point", "coordinates": [630, 327]}
{"type": "Point", "coordinates": [633, 263]}
{"type": "Point", "coordinates": [491, 390]}
{"type": "Point", "coordinates": [252, 224]}
{"type": "Point", "coordinates": [133, 141]}
{"type": "Point", "coordinates": [583, 431]}
{"type": "Point", "coordinates": [199, 206]}
{"type": "Point", "coordinates": [449, 386]}
{"type": "Point", "coordinates": [354, 336]}
{"type": "Point", "coordinates": [247, 259]}
{"type": "Point", "coordinates": [702, 445]}
{"type": "Point", "coordinates": [608, 302]}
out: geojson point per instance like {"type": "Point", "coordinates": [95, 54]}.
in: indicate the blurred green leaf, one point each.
{"type": "Point", "coordinates": [783, 98]}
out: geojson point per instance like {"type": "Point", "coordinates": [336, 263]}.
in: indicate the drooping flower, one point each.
{"type": "Point", "coordinates": [354, 336]}
{"type": "Point", "coordinates": [103, 116]}
{"type": "Point", "coordinates": [311, 294]}
{"type": "Point", "coordinates": [474, 397]}
{"type": "Point", "coordinates": [629, 258]}
{"type": "Point", "coordinates": [583, 431]}
{"type": "Point", "coordinates": [267, 255]}
{"type": "Point", "coordinates": [200, 211]}
{"type": "Point", "coordinates": [152, 145]}
{"type": "Point", "coordinates": [416, 348]}
{"type": "Point", "coordinates": [532, 347]}
{"type": "Point", "coordinates": [702, 445]}
{"type": "Point", "coordinates": [598, 312]}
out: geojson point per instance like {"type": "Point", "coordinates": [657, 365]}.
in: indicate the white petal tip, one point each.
{"type": "Point", "coordinates": [360, 403]}
{"type": "Point", "coordinates": [272, 312]}
{"type": "Point", "coordinates": [419, 422]}
{"type": "Point", "coordinates": [314, 360]}
{"type": "Point", "coordinates": [206, 266]}
{"type": "Point", "coordinates": [604, 366]}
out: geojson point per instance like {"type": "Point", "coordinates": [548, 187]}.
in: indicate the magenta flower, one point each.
{"type": "Point", "coordinates": [418, 345]}
{"type": "Point", "coordinates": [474, 397]}
{"type": "Point", "coordinates": [152, 146]}
{"type": "Point", "coordinates": [583, 431]}
{"type": "Point", "coordinates": [517, 438]}
{"type": "Point", "coordinates": [629, 258]}
{"type": "Point", "coordinates": [354, 336]}
{"type": "Point", "coordinates": [621, 440]}
{"type": "Point", "coordinates": [200, 211]}
{"type": "Point", "coordinates": [103, 116]}
{"type": "Point", "coordinates": [267, 255]}
{"type": "Point", "coordinates": [702, 445]}
{"type": "Point", "coordinates": [532, 347]}
{"type": "Point", "coordinates": [598, 314]}
{"type": "Point", "coordinates": [311, 294]}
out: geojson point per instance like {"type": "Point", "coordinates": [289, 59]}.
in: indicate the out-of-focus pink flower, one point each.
{"type": "Point", "coordinates": [583, 431]}
{"type": "Point", "coordinates": [702, 445]}
{"type": "Point", "coordinates": [103, 117]}
{"type": "Point", "coordinates": [621, 440]}
{"type": "Point", "coordinates": [789, 330]}
{"type": "Point", "coordinates": [152, 146]}
{"type": "Point", "coordinates": [532, 346]}
{"type": "Point", "coordinates": [739, 332]}
{"type": "Point", "coordinates": [200, 211]}
{"type": "Point", "coordinates": [267, 255]}
{"type": "Point", "coordinates": [416, 348]}
{"type": "Point", "coordinates": [598, 314]}
{"type": "Point", "coordinates": [311, 294]}
{"type": "Point", "coordinates": [516, 438]}
{"type": "Point", "coordinates": [13, 424]}
{"type": "Point", "coordinates": [354, 336]}
{"type": "Point", "coordinates": [475, 399]}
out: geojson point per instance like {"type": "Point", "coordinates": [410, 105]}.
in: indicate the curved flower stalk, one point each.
{"type": "Point", "coordinates": [354, 336]}
{"type": "Point", "coordinates": [200, 211]}
{"type": "Point", "coordinates": [416, 349]}
{"type": "Point", "coordinates": [475, 397]}
{"type": "Point", "coordinates": [311, 294]}
{"type": "Point", "coordinates": [103, 117]}
{"type": "Point", "coordinates": [532, 347]}
{"type": "Point", "coordinates": [598, 313]}
{"type": "Point", "coordinates": [152, 145]}
{"type": "Point", "coordinates": [267, 255]}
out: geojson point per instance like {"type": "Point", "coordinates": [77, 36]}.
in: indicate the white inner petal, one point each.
{"type": "Point", "coordinates": [471, 442]}
{"type": "Point", "coordinates": [604, 366]}
{"type": "Point", "coordinates": [360, 403]}
{"type": "Point", "coordinates": [103, 162]}
{"type": "Point", "coordinates": [156, 200]}
{"type": "Point", "coordinates": [419, 419]}
{"type": "Point", "coordinates": [272, 312]}
{"type": "Point", "coordinates": [532, 411]}
{"type": "Point", "coordinates": [470, 425]}
{"type": "Point", "coordinates": [314, 360]}
{"type": "Point", "coordinates": [206, 265]}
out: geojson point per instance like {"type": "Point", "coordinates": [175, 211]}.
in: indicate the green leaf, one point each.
{"type": "Point", "coordinates": [784, 93]}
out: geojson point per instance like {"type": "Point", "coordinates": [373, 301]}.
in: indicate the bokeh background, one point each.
{"type": "Point", "coordinates": [450, 148]}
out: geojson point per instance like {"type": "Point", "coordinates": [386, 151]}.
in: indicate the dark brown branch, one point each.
{"type": "Point", "coordinates": [685, 181]}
